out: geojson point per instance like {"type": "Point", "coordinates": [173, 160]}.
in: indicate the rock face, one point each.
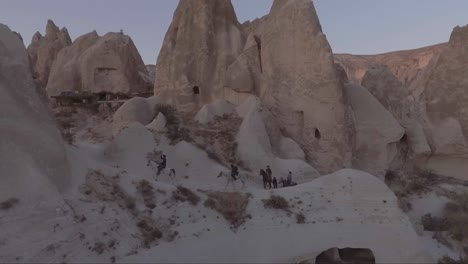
{"type": "Point", "coordinates": [31, 148]}
{"type": "Point", "coordinates": [397, 99]}
{"type": "Point", "coordinates": [377, 132]}
{"type": "Point", "coordinates": [43, 50]}
{"type": "Point", "coordinates": [217, 108]}
{"type": "Point", "coordinates": [406, 65]}
{"type": "Point", "coordinates": [110, 63]}
{"type": "Point", "coordinates": [445, 97]}
{"type": "Point", "coordinates": [203, 39]}
{"type": "Point", "coordinates": [300, 85]}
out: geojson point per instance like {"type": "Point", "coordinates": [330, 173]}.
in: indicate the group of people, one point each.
{"type": "Point", "coordinates": [269, 179]}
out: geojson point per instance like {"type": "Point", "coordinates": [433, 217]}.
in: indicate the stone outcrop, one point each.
{"type": "Point", "coordinates": [377, 132]}
{"type": "Point", "coordinates": [136, 110]}
{"type": "Point", "coordinates": [299, 83]}
{"type": "Point", "coordinates": [406, 65]}
{"type": "Point", "coordinates": [110, 63]}
{"type": "Point", "coordinates": [445, 97]}
{"type": "Point", "coordinates": [202, 40]}
{"type": "Point", "coordinates": [43, 50]}
{"type": "Point", "coordinates": [34, 162]}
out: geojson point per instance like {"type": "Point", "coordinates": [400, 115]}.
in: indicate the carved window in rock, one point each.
{"type": "Point", "coordinates": [196, 90]}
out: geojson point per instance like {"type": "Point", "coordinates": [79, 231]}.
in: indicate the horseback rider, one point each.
{"type": "Point", "coordinates": [234, 172]}
{"type": "Point", "coordinates": [162, 165]}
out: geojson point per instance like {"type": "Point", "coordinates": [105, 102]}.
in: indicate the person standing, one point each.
{"type": "Point", "coordinates": [275, 183]}
{"type": "Point", "coordinates": [289, 179]}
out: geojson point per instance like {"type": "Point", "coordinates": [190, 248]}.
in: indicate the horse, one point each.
{"type": "Point", "coordinates": [154, 166]}
{"type": "Point", "coordinates": [230, 180]}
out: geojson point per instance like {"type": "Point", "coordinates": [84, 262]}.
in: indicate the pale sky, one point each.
{"type": "Point", "coordinates": [351, 26]}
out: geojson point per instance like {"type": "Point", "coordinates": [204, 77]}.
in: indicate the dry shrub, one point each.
{"type": "Point", "coordinates": [8, 204]}
{"type": "Point", "coordinates": [99, 247]}
{"type": "Point", "coordinates": [147, 192]}
{"type": "Point", "coordinates": [107, 189]}
{"type": "Point", "coordinates": [300, 218]}
{"type": "Point", "coordinates": [276, 202]}
{"type": "Point", "coordinates": [433, 223]}
{"type": "Point", "coordinates": [149, 231]}
{"type": "Point", "coordinates": [448, 260]}
{"type": "Point", "coordinates": [182, 194]}
{"type": "Point", "coordinates": [231, 205]}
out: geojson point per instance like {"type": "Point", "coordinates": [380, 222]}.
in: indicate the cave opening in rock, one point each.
{"type": "Point", "coordinates": [317, 134]}
{"type": "Point", "coordinates": [196, 90]}
{"type": "Point", "coordinates": [404, 139]}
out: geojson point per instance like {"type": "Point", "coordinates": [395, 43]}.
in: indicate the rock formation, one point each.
{"type": "Point", "coordinates": [110, 63]}
{"type": "Point", "coordinates": [299, 82]}
{"type": "Point", "coordinates": [43, 50]}
{"type": "Point", "coordinates": [34, 162]}
{"type": "Point", "coordinates": [398, 100]}
{"type": "Point", "coordinates": [445, 97]}
{"type": "Point", "coordinates": [136, 110]}
{"type": "Point", "coordinates": [406, 65]}
{"type": "Point", "coordinates": [202, 40]}
{"type": "Point", "coordinates": [377, 132]}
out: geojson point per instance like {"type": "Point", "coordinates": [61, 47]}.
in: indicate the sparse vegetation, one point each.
{"type": "Point", "coordinates": [277, 202]}
{"type": "Point", "coordinates": [182, 194]}
{"type": "Point", "coordinates": [8, 204]}
{"type": "Point", "coordinates": [150, 233]}
{"type": "Point", "coordinates": [433, 223]}
{"type": "Point", "coordinates": [231, 205]}
{"type": "Point", "coordinates": [99, 247]}
{"type": "Point", "coordinates": [147, 192]}
{"type": "Point", "coordinates": [300, 218]}
{"type": "Point", "coordinates": [107, 189]}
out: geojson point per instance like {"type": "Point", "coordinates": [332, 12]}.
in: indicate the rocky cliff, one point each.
{"type": "Point", "coordinates": [202, 40]}
{"type": "Point", "coordinates": [406, 65]}
{"type": "Point", "coordinates": [110, 63]}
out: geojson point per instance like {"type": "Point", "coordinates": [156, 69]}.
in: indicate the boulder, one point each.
{"type": "Point", "coordinates": [109, 64]}
{"type": "Point", "coordinates": [300, 84]}
{"type": "Point", "coordinates": [158, 124]}
{"type": "Point", "coordinates": [217, 108]}
{"type": "Point", "coordinates": [137, 109]}
{"type": "Point", "coordinates": [377, 132]}
{"type": "Point", "coordinates": [202, 41]}
{"type": "Point", "coordinates": [43, 50]}
{"type": "Point", "coordinates": [346, 256]}
{"type": "Point", "coordinates": [34, 162]}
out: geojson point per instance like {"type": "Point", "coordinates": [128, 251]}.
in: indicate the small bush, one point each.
{"type": "Point", "coordinates": [8, 204]}
{"type": "Point", "coordinates": [182, 194]}
{"type": "Point", "coordinates": [147, 192]}
{"type": "Point", "coordinates": [231, 205]}
{"type": "Point", "coordinates": [432, 223]}
{"type": "Point", "coordinates": [276, 202]}
{"type": "Point", "coordinates": [99, 247]}
{"type": "Point", "coordinates": [448, 260]}
{"type": "Point", "coordinates": [149, 231]}
{"type": "Point", "coordinates": [300, 218]}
